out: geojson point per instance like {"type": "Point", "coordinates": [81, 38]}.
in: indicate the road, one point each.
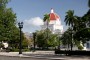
{"type": "Point", "coordinates": [63, 57]}
{"type": "Point", "coordinates": [45, 57]}
{"type": "Point", "coordinates": [18, 58]}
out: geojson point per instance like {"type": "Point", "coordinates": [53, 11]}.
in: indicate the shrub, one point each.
{"type": "Point", "coordinates": [25, 50]}
{"type": "Point", "coordinates": [80, 47]}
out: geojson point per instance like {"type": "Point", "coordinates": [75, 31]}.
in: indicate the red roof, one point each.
{"type": "Point", "coordinates": [53, 16]}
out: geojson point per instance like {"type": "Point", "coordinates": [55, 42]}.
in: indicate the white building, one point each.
{"type": "Point", "coordinates": [87, 45]}
{"type": "Point", "coordinates": [54, 24]}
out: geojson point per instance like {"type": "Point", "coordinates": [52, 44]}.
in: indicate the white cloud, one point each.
{"type": "Point", "coordinates": [36, 21]}
{"type": "Point", "coordinates": [32, 24]}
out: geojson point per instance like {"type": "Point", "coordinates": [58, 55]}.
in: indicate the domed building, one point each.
{"type": "Point", "coordinates": [54, 24]}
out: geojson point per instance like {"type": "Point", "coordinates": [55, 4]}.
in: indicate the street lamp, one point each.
{"type": "Point", "coordinates": [20, 24]}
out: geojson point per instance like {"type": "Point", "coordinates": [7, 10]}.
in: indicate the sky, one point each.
{"type": "Point", "coordinates": [31, 12]}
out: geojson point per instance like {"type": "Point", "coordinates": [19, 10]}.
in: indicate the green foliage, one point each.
{"type": "Point", "coordinates": [46, 18]}
{"type": "Point", "coordinates": [8, 30]}
{"type": "Point", "coordinates": [26, 50]}
{"type": "Point", "coordinates": [70, 19]}
{"type": "Point", "coordinates": [7, 21]}
{"type": "Point", "coordinates": [79, 44]}
{"type": "Point", "coordinates": [66, 37]}
{"type": "Point", "coordinates": [25, 42]}
{"type": "Point", "coordinates": [1, 45]}
{"type": "Point", "coordinates": [80, 27]}
{"type": "Point", "coordinates": [80, 47]}
{"type": "Point", "coordinates": [14, 50]}
{"type": "Point", "coordinates": [83, 28]}
{"type": "Point", "coordinates": [86, 18]}
{"type": "Point", "coordinates": [43, 41]}
{"type": "Point", "coordinates": [52, 42]}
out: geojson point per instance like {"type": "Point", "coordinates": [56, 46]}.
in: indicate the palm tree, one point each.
{"type": "Point", "coordinates": [70, 20]}
{"type": "Point", "coordinates": [46, 20]}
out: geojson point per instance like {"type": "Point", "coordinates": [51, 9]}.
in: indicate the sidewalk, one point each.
{"type": "Point", "coordinates": [44, 55]}
{"type": "Point", "coordinates": [9, 53]}
{"type": "Point", "coordinates": [37, 54]}
{"type": "Point", "coordinates": [28, 54]}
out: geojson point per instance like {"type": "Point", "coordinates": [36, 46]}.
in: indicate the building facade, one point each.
{"type": "Point", "coordinates": [54, 24]}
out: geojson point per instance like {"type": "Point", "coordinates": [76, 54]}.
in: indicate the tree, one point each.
{"type": "Point", "coordinates": [80, 26]}
{"type": "Point", "coordinates": [7, 20]}
{"type": "Point", "coordinates": [25, 42]}
{"type": "Point", "coordinates": [66, 37]}
{"type": "Point", "coordinates": [42, 36]}
{"type": "Point", "coordinates": [83, 27]}
{"type": "Point", "coordinates": [86, 18]}
{"type": "Point", "coordinates": [83, 31]}
{"type": "Point", "coordinates": [46, 20]}
{"type": "Point", "coordinates": [52, 40]}
{"type": "Point", "coordinates": [14, 38]}
{"type": "Point", "coordinates": [70, 20]}
{"type": "Point", "coordinates": [8, 30]}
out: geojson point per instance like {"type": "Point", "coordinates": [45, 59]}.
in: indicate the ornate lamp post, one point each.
{"type": "Point", "coordinates": [20, 24]}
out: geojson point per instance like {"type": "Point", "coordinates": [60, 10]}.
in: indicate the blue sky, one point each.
{"type": "Point", "coordinates": [31, 11]}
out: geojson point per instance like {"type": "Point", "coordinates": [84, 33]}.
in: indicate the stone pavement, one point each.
{"type": "Point", "coordinates": [44, 55]}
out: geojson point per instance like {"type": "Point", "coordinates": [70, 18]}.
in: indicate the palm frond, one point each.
{"type": "Point", "coordinates": [46, 18]}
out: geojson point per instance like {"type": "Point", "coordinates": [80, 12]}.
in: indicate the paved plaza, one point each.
{"type": "Point", "coordinates": [39, 55]}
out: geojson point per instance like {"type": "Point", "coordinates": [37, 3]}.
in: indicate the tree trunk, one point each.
{"type": "Point", "coordinates": [71, 38]}
{"type": "Point", "coordinates": [47, 34]}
